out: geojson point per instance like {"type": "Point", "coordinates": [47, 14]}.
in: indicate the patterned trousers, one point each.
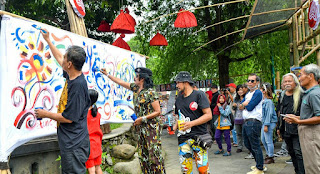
{"type": "Point", "coordinates": [150, 154]}
{"type": "Point", "coordinates": [188, 151]}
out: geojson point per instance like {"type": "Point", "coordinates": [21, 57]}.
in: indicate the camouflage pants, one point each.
{"type": "Point", "coordinates": [151, 159]}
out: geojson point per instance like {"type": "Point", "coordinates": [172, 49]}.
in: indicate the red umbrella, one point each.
{"type": "Point", "coordinates": [121, 43]}
{"type": "Point", "coordinates": [131, 19]}
{"type": "Point", "coordinates": [158, 40]}
{"type": "Point", "coordinates": [122, 24]}
{"type": "Point", "coordinates": [185, 20]}
{"type": "Point", "coordinates": [104, 26]}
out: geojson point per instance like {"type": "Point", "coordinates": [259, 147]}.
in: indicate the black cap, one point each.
{"type": "Point", "coordinates": [141, 70]}
{"type": "Point", "coordinates": [184, 76]}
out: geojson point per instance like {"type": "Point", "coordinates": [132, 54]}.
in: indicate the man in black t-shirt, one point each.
{"type": "Point", "coordinates": [73, 107]}
{"type": "Point", "coordinates": [194, 112]}
{"type": "Point", "coordinates": [290, 103]}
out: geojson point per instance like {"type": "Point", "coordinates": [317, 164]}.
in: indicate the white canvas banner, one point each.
{"type": "Point", "coordinates": [30, 78]}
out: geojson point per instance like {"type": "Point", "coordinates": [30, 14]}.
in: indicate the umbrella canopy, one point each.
{"type": "Point", "coordinates": [158, 40]}
{"type": "Point", "coordinates": [121, 43]}
{"type": "Point", "coordinates": [104, 26]}
{"type": "Point", "coordinates": [185, 20]}
{"type": "Point", "coordinates": [131, 19]}
{"type": "Point", "coordinates": [122, 24]}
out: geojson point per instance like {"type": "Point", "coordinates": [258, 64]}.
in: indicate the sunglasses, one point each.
{"type": "Point", "coordinates": [250, 81]}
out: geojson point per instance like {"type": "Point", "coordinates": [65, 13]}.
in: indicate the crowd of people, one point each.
{"type": "Point", "coordinates": [252, 113]}
{"type": "Point", "coordinates": [246, 111]}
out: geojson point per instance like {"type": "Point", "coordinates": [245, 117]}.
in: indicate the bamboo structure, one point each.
{"type": "Point", "coordinates": [76, 23]}
{"type": "Point", "coordinates": [305, 41]}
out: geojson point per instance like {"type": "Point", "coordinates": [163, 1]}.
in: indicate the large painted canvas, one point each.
{"type": "Point", "coordinates": [31, 78]}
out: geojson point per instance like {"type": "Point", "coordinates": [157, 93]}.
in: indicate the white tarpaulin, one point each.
{"type": "Point", "coordinates": [31, 78]}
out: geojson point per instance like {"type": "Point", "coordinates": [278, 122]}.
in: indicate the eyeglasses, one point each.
{"type": "Point", "coordinates": [250, 81]}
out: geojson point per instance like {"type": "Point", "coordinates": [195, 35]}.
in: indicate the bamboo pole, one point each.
{"type": "Point", "coordinates": [308, 38]}
{"type": "Point", "coordinates": [294, 37]}
{"type": "Point", "coordinates": [278, 84]}
{"type": "Point", "coordinates": [318, 51]}
{"type": "Point", "coordinates": [237, 31]}
{"type": "Point", "coordinates": [309, 53]}
{"type": "Point", "coordinates": [76, 23]}
{"type": "Point", "coordinates": [303, 24]}
{"type": "Point", "coordinates": [244, 16]}
{"type": "Point", "coordinates": [249, 20]}
{"type": "Point", "coordinates": [217, 39]}
{"type": "Point", "coordinates": [232, 19]}
{"type": "Point", "coordinates": [213, 5]}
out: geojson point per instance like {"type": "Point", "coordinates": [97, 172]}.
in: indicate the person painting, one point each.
{"type": "Point", "coordinates": [95, 135]}
{"type": "Point", "coordinates": [73, 136]}
{"type": "Point", "coordinates": [147, 108]}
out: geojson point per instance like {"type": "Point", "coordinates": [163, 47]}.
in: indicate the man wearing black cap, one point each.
{"type": "Point", "coordinates": [147, 108]}
{"type": "Point", "coordinates": [194, 112]}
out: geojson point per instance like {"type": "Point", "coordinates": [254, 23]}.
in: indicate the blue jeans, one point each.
{"type": "Point", "coordinates": [267, 139]}
{"type": "Point", "coordinates": [234, 135]}
{"type": "Point", "coordinates": [251, 131]}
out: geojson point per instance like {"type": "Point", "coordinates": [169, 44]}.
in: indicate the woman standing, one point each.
{"type": "Point", "coordinates": [269, 121]}
{"type": "Point", "coordinates": [238, 119]}
{"type": "Point", "coordinates": [147, 108]}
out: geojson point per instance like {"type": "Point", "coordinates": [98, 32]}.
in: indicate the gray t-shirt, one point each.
{"type": "Point", "coordinates": [310, 105]}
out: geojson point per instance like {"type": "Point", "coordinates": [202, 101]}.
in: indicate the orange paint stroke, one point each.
{"type": "Point", "coordinates": [62, 38]}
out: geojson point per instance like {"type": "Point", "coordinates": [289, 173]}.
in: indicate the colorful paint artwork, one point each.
{"type": "Point", "coordinates": [31, 78]}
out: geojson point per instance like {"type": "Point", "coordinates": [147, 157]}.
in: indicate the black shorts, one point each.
{"type": "Point", "coordinates": [73, 161]}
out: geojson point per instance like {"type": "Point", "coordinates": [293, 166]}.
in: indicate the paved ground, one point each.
{"type": "Point", "coordinates": [219, 164]}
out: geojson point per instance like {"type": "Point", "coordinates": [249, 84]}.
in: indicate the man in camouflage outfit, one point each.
{"type": "Point", "coordinates": [147, 107]}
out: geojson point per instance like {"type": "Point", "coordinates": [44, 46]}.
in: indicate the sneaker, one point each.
{"type": "Point", "coordinates": [254, 168]}
{"type": "Point", "coordinates": [289, 161]}
{"type": "Point", "coordinates": [218, 152]}
{"type": "Point", "coordinates": [256, 171]}
{"type": "Point", "coordinates": [250, 156]}
{"type": "Point", "coordinates": [227, 154]}
{"type": "Point", "coordinates": [269, 160]}
{"type": "Point", "coordinates": [281, 153]}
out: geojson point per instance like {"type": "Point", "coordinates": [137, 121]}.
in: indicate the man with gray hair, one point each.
{"type": "Point", "coordinates": [289, 103]}
{"type": "Point", "coordinates": [309, 119]}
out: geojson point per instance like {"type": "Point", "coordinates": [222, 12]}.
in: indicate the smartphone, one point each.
{"type": "Point", "coordinates": [284, 115]}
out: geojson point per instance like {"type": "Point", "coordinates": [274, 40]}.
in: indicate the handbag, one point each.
{"type": "Point", "coordinates": [204, 141]}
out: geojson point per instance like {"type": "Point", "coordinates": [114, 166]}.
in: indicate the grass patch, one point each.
{"type": "Point", "coordinates": [115, 125]}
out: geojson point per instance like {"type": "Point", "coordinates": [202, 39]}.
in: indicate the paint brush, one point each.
{"type": "Point", "coordinates": [38, 28]}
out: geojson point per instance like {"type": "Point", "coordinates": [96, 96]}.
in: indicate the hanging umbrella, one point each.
{"type": "Point", "coordinates": [104, 26]}
{"type": "Point", "coordinates": [185, 20]}
{"type": "Point", "coordinates": [158, 40]}
{"type": "Point", "coordinates": [131, 19]}
{"type": "Point", "coordinates": [122, 24]}
{"type": "Point", "coordinates": [121, 43]}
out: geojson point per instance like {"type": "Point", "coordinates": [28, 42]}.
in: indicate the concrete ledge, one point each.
{"type": "Point", "coordinates": [119, 131]}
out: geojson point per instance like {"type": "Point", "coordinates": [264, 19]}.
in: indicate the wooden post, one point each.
{"type": "Point", "coordinates": [318, 51]}
{"type": "Point", "coordinates": [76, 23]}
{"type": "Point", "coordinates": [295, 42]}
{"type": "Point", "coordinates": [278, 80]}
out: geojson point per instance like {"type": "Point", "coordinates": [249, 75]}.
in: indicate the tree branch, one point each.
{"type": "Point", "coordinates": [241, 59]}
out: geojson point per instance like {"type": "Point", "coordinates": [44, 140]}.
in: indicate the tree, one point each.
{"type": "Point", "coordinates": [249, 56]}
{"type": "Point", "coordinates": [54, 13]}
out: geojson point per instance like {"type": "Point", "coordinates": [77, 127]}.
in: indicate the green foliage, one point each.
{"type": "Point", "coordinates": [115, 125]}
{"type": "Point", "coordinates": [166, 62]}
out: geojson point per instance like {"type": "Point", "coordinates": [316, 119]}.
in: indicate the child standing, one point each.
{"type": "Point", "coordinates": [222, 124]}
{"type": "Point", "coordinates": [95, 134]}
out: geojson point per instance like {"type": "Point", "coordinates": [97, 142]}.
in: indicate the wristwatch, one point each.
{"type": "Point", "coordinates": [144, 119]}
